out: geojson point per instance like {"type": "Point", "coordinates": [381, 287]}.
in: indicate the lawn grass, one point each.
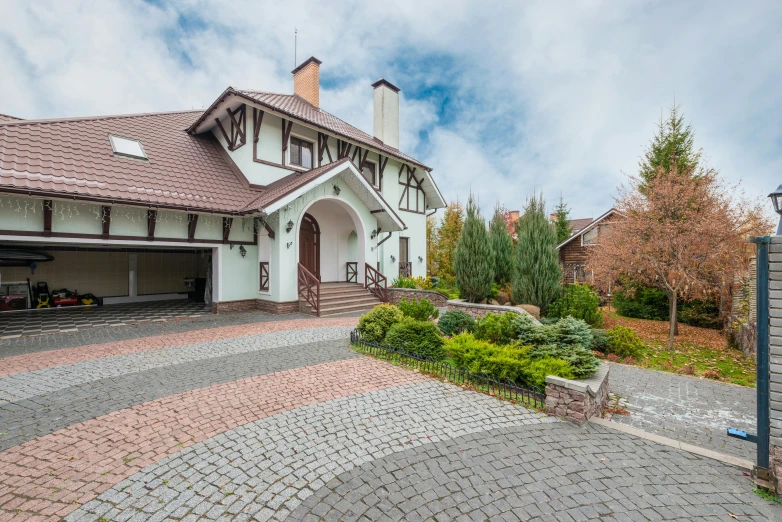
{"type": "Point", "coordinates": [696, 351]}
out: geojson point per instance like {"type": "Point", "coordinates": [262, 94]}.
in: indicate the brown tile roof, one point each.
{"type": "Point", "coordinates": [5, 118]}
{"type": "Point", "coordinates": [74, 158]}
{"type": "Point", "coordinates": [579, 224]}
{"type": "Point", "coordinates": [296, 107]}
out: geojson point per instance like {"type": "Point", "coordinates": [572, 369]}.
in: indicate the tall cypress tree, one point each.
{"type": "Point", "coordinates": [473, 261]}
{"type": "Point", "coordinates": [673, 145]}
{"type": "Point", "coordinates": [537, 273]}
{"type": "Point", "coordinates": [562, 224]}
{"type": "Point", "coordinates": [501, 247]}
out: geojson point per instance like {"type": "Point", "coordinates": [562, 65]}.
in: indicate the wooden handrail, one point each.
{"type": "Point", "coordinates": [372, 281]}
{"type": "Point", "coordinates": [309, 288]}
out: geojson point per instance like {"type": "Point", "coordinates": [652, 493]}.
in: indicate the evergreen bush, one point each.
{"type": "Point", "coordinates": [496, 328]}
{"type": "Point", "coordinates": [599, 341]}
{"type": "Point", "coordinates": [374, 325]}
{"type": "Point", "coordinates": [473, 261]}
{"type": "Point", "coordinates": [501, 248]}
{"type": "Point", "coordinates": [454, 322]}
{"type": "Point", "coordinates": [421, 338]}
{"type": "Point", "coordinates": [569, 332]}
{"type": "Point", "coordinates": [624, 342]}
{"type": "Point", "coordinates": [419, 309]}
{"type": "Point", "coordinates": [537, 273]}
{"type": "Point", "coordinates": [579, 301]}
{"type": "Point", "coordinates": [582, 361]}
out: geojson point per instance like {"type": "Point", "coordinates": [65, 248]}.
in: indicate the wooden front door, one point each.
{"type": "Point", "coordinates": [309, 245]}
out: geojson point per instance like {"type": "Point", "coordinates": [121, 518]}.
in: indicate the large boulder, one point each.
{"type": "Point", "coordinates": [533, 310]}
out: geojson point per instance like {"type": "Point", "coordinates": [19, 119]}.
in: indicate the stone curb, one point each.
{"type": "Point", "coordinates": [483, 309]}
{"type": "Point", "coordinates": [665, 441]}
{"type": "Point", "coordinates": [589, 385]}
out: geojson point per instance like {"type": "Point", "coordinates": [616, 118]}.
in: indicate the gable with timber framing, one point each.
{"type": "Point", "coordinates": [413, 198]}
{"type": "Point", "coordinates": [237, 132]}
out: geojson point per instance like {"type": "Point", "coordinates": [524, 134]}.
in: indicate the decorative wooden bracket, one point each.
{"type": "Point", "coordinates": [266, 227]}
{"type": "Point", "coordinates": [344, 149]}
{"type": "Point", "coordinates": [411, 182]}
{"type": "Point", "coordinates": [362, 159]}
{"type": "Point", "coordinates": [257, 122]}
{"type": "Point", "coordinates": [192, 222]}
{"type": "Point", "coordinates": [151, 220]}
{"type": "Point", "coordinates": [227, 223]}
{"type": "Point", "coordinates": [237, 136]}
{"type": "Point", "coordinates": [381, 166]}
{"type": "Point", "coordinates": [377, 211]}
{"type": "Point", "coordinates": [106, 211]}
{"type": "Point", "coordinates": [323, 146]}
{"type": "Point", "coordinates": [47, 217]}
{"type": "Point", "coordinates": [286, 134]}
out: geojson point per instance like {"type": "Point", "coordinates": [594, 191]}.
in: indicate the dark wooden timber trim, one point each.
{"type": "Point", "coordinates": [47, 217]}
{"type": "Point", "coordinates": [363, 160]}
{"type": "Point", "coordinates": [263, 276]}
{"type": "Point", "coordinates": [151, 221]}
{"type": "Point", "coordinates": [377, 211]}
{"type": "Point", "coordinates": [269, 230]}
{"type": "Point", "coordinates": [408, 184]}
{"type": "Point", "coordinates": [286, 134]}
{"type": "Point", "coordinates": [257, 122]}
{"type": "Point", "coordinates": [106, 211]}
{"type": "Point", "coordinates": [225, 134]}
{"type": "Point", "coordinates": [385, 239]}
{"type": "Point", "coordinates": [381, 166]}
{"type": "Point", "coordinates": [238, 127]}
{"type": "Point", "coordinates": [227, 223]}
{"type": "Point", "coordinates": [323, 146]}
{"type": "Point", "coordinates": [192, 223]}
{"type": "Point", "coordinates": [70, 235]}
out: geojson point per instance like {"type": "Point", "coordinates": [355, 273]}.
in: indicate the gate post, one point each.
{"type": "Point", "coordinates": [769, 361]}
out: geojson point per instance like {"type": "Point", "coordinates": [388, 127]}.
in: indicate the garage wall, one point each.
{"type": "Point", "coordinates": [101, 273]}
{"type": "Point", "coordinates": [162, 273]}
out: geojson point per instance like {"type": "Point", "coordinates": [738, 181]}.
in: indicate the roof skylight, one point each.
{"type": "Point", "coordinates": [127, 147]}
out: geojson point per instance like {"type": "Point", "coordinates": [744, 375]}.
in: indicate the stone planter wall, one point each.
{"type": "Point", "coordinates": [397, 294]}
{"type": "Point", "coordinates": [247, 305]}
{"type": "Point", "coordinates": [479, 310]}
{"type": "Point", "coordinates": [577, 401]}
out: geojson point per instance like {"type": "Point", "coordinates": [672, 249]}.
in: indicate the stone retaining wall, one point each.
{"type": "Point", "coordinates": [577, 401]}
{"type": "Point", "coordinates": [248, 305]}
{"type": "Point", "coordinates": [479, 310]}
{"type": "Point", "coordinates": [397, 294]}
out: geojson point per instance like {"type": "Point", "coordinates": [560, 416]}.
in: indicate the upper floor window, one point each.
{"type": "Point", "coordinates": [590, 238]}
{"type": "Point", "coordinates": [370, 172]}
{"type": "Point", "coordinates": [301, 153]}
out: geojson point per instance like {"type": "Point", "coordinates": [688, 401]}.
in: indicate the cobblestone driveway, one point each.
{"type": "Point", "coordinates": [696, 411]}
{"type": "Point", "coordinates": [248, 417]}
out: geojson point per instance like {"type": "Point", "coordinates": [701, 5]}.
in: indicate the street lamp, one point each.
{"type": "Point", "coordinates": [776, 199]}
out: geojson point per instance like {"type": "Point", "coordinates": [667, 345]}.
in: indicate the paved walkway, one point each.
{"type": "Point", "coordinates": [249, 417]}
{"type": "Point", "coordinates": [687, 409]}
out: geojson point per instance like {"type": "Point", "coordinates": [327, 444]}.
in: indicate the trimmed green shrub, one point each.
{"type": "Point", "coordinates": [537, 274]}
{"type": "Point", "coordinates": [374, 325]}
{"type": "Point", "coordinates": [473, 262]}
{"type": "Point", "coordinates": [466, 350]}
{"type": "Point", "coordinates": [599, 341]}
{"type": "Point", "coordinates": [532, 334]}
{"type": "Point", "coordinates": [421, 338]}
{"type": "Point", "coordinates": [455, 322]}
{"type": "Point", "coordinates": [624, 342]}
{"type": "Point", "coordinates": [496, 328]}
{"type": "Point", "coordinates": [579, 301]}
{"type": "Point", "coordinates": [538, 369]}
{"type": "Point", "coordinates": [419, 309]}
{"type": "Point", "coordinates": [582, 361]}
{"type": "Point", "coordinates": [652, 303]}
{"type": "Point", "coordinates": [404, 282]}
{"type": "Point", "coordinates": [569, 331]}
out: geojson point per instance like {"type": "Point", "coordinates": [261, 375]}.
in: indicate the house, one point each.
{"type": "Point", "coordinates": [574, 251]}
{"type": "Point", "coordinates": [263, 198]}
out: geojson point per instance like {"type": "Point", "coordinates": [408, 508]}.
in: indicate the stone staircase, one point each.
{"type": "Point", "coordinates": [341, 298]}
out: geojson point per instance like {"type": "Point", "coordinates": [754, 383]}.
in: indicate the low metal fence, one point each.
{"type": "Point", "coordinates": [530, 396]}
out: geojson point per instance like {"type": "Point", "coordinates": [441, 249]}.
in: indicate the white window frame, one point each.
{"type": "Point", "coordinates": [376, 183]}
{"type": "Point", "coordinates": [288, 162]}
{"type": "Point", "coordinates": [143, 156]}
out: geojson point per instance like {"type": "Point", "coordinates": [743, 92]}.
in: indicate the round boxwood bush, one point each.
{"type": "Point", "coordinates": [454, 322]}
{"type": "Point", "coordinates": [374, 325]}
{"type": "Point", "coordinates": [419, 309]}
{"type": "Point", "coordinates": [624, 342]}
{"type": "Point", "coordinates": [420, 338]}
{"type": "Point", "coordinates": [496, 328]}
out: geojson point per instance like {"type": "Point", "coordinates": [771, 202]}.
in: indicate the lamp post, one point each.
{"type": "Point", "coordinates": [776, 199]}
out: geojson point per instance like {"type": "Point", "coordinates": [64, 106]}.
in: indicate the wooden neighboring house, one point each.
{"type": "Point", "coordinates": [573, 252]}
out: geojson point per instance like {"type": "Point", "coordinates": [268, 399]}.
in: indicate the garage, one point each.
{"type": "Point", "coordinates": [50, 288]}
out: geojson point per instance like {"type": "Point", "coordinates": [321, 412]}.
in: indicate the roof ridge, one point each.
{"type": "Point", "coordinates": [96, 118]}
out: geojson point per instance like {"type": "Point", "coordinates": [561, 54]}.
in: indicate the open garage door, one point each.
{"type": "Point", "coordinates": [80, 286]}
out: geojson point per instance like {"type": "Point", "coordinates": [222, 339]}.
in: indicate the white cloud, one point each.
{"type": "Point", "coordinates": [553, 96]}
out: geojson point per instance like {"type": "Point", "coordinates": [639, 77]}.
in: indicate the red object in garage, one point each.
{"type": "Point", "coordinates": [65, 301]}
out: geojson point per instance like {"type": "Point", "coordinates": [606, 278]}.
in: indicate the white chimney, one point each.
{"type": "Point", "coordinates": [387, 112]}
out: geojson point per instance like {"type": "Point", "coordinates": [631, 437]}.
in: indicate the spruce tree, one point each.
{"type": "Point", "coordinates": [562, 224]}
{"type": "Point", "coordinates": [672, 148]}
{"type": "Point", "coordinates": [501, 247]}
{"type": "Point", "coordinates": [537, 273]}
{"type": "Point", "coordinates": [473, 261]}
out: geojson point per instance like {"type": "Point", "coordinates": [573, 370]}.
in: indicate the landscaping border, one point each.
{"type": "Point", "coordinates": [529, 396]}
{"type": "Point", "coordinates": [479, 310]}
{"type": "Point", "coordinates": [578, 400]}
{"type": "Point", "coordinates": [395, 295]}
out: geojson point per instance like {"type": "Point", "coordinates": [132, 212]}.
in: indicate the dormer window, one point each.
{"type": "Point", "coordinates": [127, 147]}
{"type": "Point", "coordinates": [301, 153]}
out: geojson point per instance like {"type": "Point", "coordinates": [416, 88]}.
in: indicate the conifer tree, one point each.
{"type": "Point", "coordinates": [447, 238]}
{"type": "Point", "coordinates": [562, 224]}
{"type": "Point", "coordinates": [432, 246]}
{"type": "Point", "coordinates": [537, 272]}
{"type": "Point", "coordinates": [473, 261]}
{"type": "Point", "coordinates": [502, 247]}
{"type": "Point", "coordinates": [672, 148]}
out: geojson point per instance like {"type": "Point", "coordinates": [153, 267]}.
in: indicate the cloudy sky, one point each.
{"type": "Point", "coordinates": [502, 98]}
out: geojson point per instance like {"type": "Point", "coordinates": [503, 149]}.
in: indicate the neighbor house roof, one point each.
{"type": "Point", "coordinates": [579, 224]}
{"type": "Point", "coordinates": [592, 224]}
{"type": "Point", "coordinates": [74, 158]}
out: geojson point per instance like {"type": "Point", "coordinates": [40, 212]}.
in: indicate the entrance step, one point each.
{"type": "Point", "coordinates": [340, 298]}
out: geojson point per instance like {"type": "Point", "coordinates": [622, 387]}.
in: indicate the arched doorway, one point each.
{"type": "Point", "coordinates": [309, 244]}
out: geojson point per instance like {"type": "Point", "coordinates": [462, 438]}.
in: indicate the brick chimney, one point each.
{"type": "Point", "coordinates": [387, 112]}
{"type": "Point", "coordinates": [306, 80]}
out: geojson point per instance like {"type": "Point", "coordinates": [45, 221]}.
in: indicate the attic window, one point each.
{"type": "Point", "coordinates": [127, 147]}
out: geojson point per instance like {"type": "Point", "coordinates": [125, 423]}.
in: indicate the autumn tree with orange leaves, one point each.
{"type": "Point", "coordinates": [682, 232]}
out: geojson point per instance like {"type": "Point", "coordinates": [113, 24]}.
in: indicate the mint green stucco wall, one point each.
{"type": "Point", "coordinates": [239, 275]}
